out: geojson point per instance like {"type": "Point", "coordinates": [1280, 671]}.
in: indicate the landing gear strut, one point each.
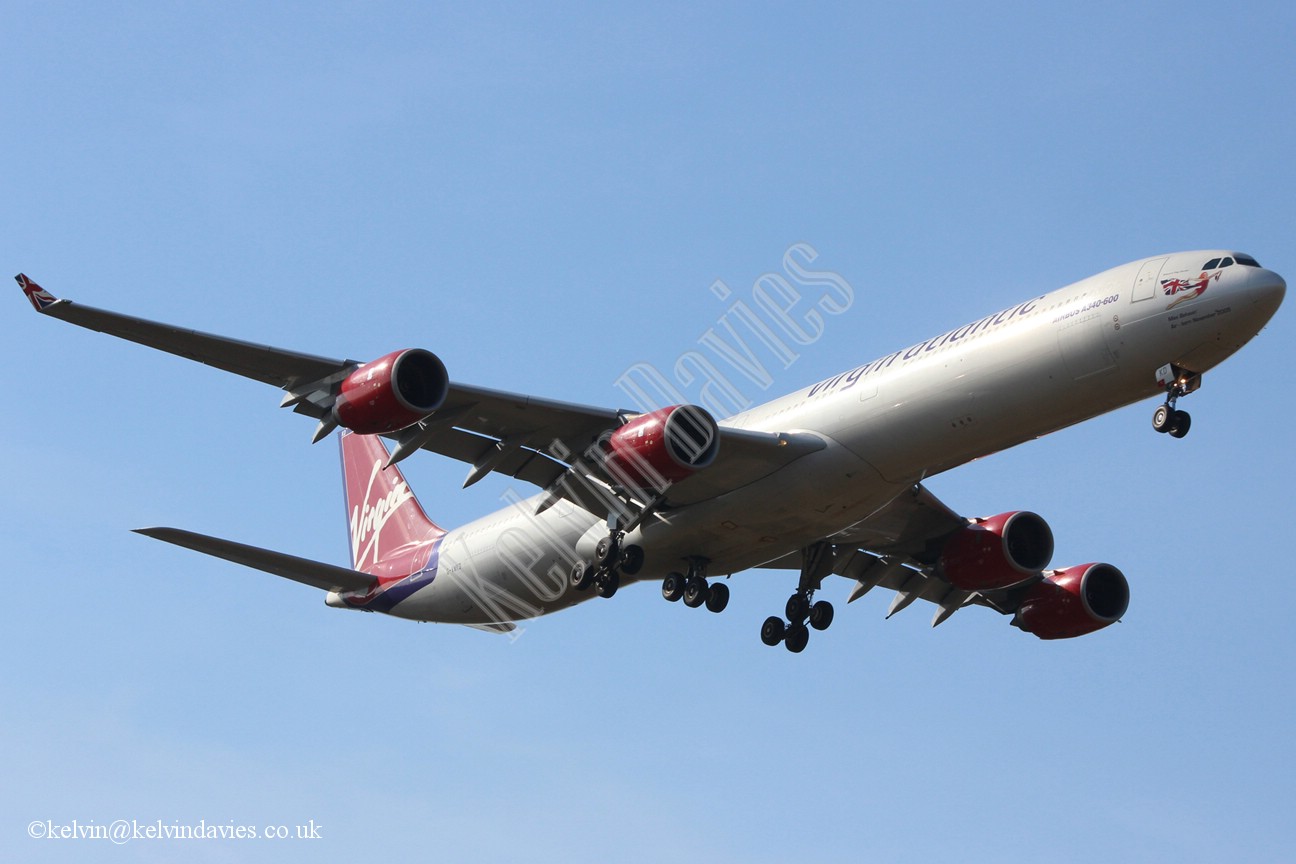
{"type": "Point", "coordinates": [816, 563]}
{"type": "Point", "coordinates": [1167, 418]}
{"type": "Point", "coordinates": [694, 589]}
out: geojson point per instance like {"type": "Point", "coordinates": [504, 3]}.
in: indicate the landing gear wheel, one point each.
{"type": "Point", "coordinates": [582, 576]}
{"type": "Point", "coordinates": [695, 592]}
{"type": "Point", "coordinates": [1179, 424]}
{"type": "Point", "coordinates": [605, 551]}
{"type": "Point", "coordinates": [1163, 418]}
{"type": "Point", "coordinates": [821, 615]}
{"type": "Point", "coordinates": [632, 558]}
{"type": "Point", "coordinates": [717, 597]}
{"type": "Point", "coordinates": [607, 583]}
{"type": "Point", "coordinates": [797, 638]}
{"type": "Point", "coordinates": [798, 607]}
{"type": "Point", "coordinates": [673, 586]}
{"type": "Point", "coordinates": [773, 631]}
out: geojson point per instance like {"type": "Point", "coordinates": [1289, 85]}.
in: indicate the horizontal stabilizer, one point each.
{"type": "Point", "coordinates": [326, 577]}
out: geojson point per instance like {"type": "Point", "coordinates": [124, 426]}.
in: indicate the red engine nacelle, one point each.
{"type": "Point", "coordinates": [392, 392]}
{"type": "Point", "coordinates": [1074, 602]}
{"type": "Point", "coordinates": [661, 447]}
{"type": "Point", "coordinates": [997, 552]}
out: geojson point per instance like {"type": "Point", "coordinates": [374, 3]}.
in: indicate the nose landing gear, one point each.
{"type": "Point", "coordinates": [1178, 382]}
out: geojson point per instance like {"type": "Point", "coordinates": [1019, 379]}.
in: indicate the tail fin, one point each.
{"type": "Point", "coordinates": [391, 536]}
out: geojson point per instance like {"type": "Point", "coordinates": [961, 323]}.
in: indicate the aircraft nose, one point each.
{"type": "Point", "coordinates": [1267, 290]}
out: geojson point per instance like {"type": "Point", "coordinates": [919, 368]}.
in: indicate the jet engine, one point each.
{"type": "Point", "coordinates": [1074, 602]}
{"type": "Point", "coordinates": [997, 552]}
{"type": "Point", "coordinates": [392, 392]}
{"type": "Point", "coordinates": [661, 447]}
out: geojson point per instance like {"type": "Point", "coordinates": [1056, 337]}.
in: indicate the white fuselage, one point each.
{"type": "Point", "coordinates": [1045, 364]}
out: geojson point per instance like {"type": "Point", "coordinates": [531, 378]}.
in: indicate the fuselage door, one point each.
{"type": "Point", "coordinates": [1146, 281]}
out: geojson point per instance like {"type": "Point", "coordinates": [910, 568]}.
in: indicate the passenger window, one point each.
{"type": "Point", "coordinates": [1211, 264]}
{"type": "Point", "coordinates": [1227, 262]}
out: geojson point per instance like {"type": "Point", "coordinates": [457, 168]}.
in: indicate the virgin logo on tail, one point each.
{"type": "Point", "coordinates": [368, 520]}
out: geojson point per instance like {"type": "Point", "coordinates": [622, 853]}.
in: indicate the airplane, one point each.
{"type": "Point", "coordinates": [828, 480]}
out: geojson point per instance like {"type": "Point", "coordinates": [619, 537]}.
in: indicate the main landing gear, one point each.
{"type": "Point", "coordinates": [1169, 419]}
{"type": "Point", "coordinates": [694, 589]}
{"type": "Point", "coordinates": [816, 563]}
{"type": "Point", "coordinates": [611, 560]}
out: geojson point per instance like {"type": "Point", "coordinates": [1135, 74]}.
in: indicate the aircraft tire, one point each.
{"type": "Point", "coordinates": [773, 631]}
{"type": "Point", "coordinates": [821, 615]}
{"type": "Point", "coordinates": [797, 638]}
{"type": "Point", "coordinates": [582, 576]}
{"type": "Point", "coordinates": [717, 598]}
{"type": "Point", "coordinates": [695, 592]}
{"type": "Point", "coordinates": [631, 559]}
{"type": "Point", "coordinates": [605, 551]}
{"type": "Point", "coordinates": [608, 585]}
{"type": "Point", "coordinates": [673, 586]}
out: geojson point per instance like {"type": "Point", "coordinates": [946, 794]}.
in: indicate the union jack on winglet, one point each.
{"type": "Point", "coordinates": [39, 297]}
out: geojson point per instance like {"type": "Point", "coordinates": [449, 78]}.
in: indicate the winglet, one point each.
{"type": "Point", "coordinates": [39, 297]}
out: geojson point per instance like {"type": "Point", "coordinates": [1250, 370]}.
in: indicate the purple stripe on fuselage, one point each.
{"type": "Point", "coordinates": [387, 597]}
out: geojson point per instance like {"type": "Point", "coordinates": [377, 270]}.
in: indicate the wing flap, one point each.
{"type": "Point", "coordinates": [326, 577]}
{"type": "Point", "coordinates": [502, 415]}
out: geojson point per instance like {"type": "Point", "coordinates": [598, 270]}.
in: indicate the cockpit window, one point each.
{"type": "Point", "coordinates": [1227, 262]}
{"type": "Point", "coordinates": [1246, 260]}
{"type": "Point", "coordinates": [1211, 264]}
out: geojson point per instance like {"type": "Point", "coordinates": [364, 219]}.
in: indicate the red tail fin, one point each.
{"type": "Point", "coordinates": [391, 536]}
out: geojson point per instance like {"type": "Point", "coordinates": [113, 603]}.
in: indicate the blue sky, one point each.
{"type": "Point", "coordinates": [544, 196]}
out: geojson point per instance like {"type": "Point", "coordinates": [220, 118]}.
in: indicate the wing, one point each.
{"type": "Point", "coordinates": [898, 547]}
{"type": "Point", "coordinates": [259, 362]}
{"type": "Point", "coordinates": [539, 441]}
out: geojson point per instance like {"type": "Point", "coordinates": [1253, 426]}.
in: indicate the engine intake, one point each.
{"type": "Point", "coordinates": [392, 392]}
{"type": "Point", "coordinates": [997, 552]}
{"type": "Point", "coordinates": [1073, 602]}
{"type": "Point", "coordinates": [661, 447]}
